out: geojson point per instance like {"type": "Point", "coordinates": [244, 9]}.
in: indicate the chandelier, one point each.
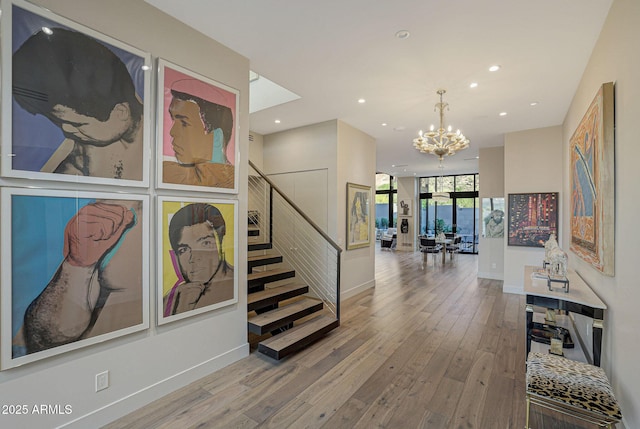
{"type": "Point", "coordinates": [441, 142]}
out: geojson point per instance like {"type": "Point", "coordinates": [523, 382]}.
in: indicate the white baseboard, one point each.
{"type": "Point", "coordinates": [345, 294]}
{"type": "Point", "coordinates": [491, 276]}
{"type": "Point", "coordinates": [519, 290]}
{"type": "Point", "coordinates": [135, 400]}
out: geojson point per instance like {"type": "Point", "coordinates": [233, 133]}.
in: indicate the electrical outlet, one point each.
{"type": "Point", "coordinates": [493, 265]}
{"type": "Point", "coordinates": [102, 381]}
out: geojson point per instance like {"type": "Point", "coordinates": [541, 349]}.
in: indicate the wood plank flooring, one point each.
{"type": "Point", "coordinates": [427, 348]}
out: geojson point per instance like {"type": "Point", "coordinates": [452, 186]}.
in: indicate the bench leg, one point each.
{"type": "Point", "coordinates": [527, 413]}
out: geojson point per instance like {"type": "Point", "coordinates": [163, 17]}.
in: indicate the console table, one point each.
{"type": "Point", "coordinates": [580, 299]}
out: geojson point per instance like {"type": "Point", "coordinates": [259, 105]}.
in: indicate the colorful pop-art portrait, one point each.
{"type": "Point", "coordinates": [592, 184]}
{"type": "Point", "coordinates": [199, 250]}
{"type": "Point", "coordinates": [198, 128]}
{"type": "Point", "coordinates": [78, 110]}
{"type": "Point", "coordinates": [76, 270]}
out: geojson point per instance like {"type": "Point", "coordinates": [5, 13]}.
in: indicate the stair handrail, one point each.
{"type": "Point", "coordinates": [297, 209]}
{"type": "Point", "coordinates": [313, 227]}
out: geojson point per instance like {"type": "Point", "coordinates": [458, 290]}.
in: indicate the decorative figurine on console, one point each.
{"type": "Point", "coordinates": [555, 262]}
{"type": "Point", "coordinates": [549, 245]}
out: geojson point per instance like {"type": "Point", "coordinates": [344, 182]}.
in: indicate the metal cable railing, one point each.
{"type": "Point", "coordinates": [304, 246]}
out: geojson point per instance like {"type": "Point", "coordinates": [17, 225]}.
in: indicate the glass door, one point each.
{"type": "Point", "coordinates": [467, 223]}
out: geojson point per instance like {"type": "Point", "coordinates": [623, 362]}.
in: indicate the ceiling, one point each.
{"type": "Point", "coordinates": [332, 53]}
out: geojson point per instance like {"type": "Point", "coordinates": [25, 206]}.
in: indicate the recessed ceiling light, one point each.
{"type": "Point", "coordinates": [494, 68]}
{"type": "Point", "coordinates": [503, 113]}
{"type": "Point", "coordinates": [384, 124]}
{"type": "Point", "coordinates": [403, 34]}
{"type": "Point", "coordinates": [47, 30]}
{"type": "Point", "coordinates": [533, 103]}
{"type": "Point", "coordinates": [145, 67]}
{"type": "Point", "coordinates": [277, 121]}
{"type": "Point", "coordinates": [473, 85]}
{"type": "Point", "coordinates": [362, 101]}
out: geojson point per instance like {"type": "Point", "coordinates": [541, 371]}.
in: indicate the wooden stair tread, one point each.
{"type": "Point", "coordinates": [270, 294]}
{"type": "Point", "coordinates": [261, 260]}
{"type": "Point", "coordinates": [281, 316]}
{"type": "Point", "coordinates": [259, 246]}
{"type": "Point", "coordinates": [278, 274]}
{"type": "Point", "coordinates": [297, 337]}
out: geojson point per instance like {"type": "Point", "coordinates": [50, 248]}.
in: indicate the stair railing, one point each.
{"type": "Point", "coordinates": [303, 244]}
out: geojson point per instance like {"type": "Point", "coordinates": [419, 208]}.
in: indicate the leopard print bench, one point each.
{"type": "Point", "coordinates": [575, 388]}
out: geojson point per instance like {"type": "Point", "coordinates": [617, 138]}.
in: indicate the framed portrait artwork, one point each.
{"type": "Point", "coordinates": [532, 218]}
{"type": "Point", "coordinates": [197, 129]}
{"type": "Point", "coordinates": [198, 251]}
{"type": "Point", "coordinates": [493, 217]}
{"type": "Point", "coordinates": [78, 105]}
{"type": "Point", "coordinates": [358, 216]}
{"type": "Point", "coordinates": [592, 155]}
{"type": "Point", "coordinates": [75, 270]}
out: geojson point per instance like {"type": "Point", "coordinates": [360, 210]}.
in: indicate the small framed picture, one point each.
{"type": "Point", "coordinates": [532, 218]}
{"type": "Point", "coordinates": [78, 108]}
{"type": "Point", "coordinates": [358, 216]}
{"type": "Point", "coordinates": [199, 249]}
{"type": "Point", "coordinates": [75, 270]}
{"type": "Point", "coordinates": [197, 129]}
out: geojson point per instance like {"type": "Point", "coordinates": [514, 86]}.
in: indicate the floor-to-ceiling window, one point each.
{"type": "Point", "coordinates": [460, 213]}
{"type": "Point", "coordinates": [386, 201]}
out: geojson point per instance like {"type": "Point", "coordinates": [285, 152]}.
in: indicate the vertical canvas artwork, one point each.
{"type": "Point", "coordinates": [199, 250]}
{"type": "Point", "coordinates": [593, 185]}
{"type": "Point", "coordinates": [358, 216]}
{"type": "Point", "coordinates": [77, 104]}
{"type": "Point", "coordinates": [532, 218]}
{"type": "Point", "coordinates": [493, 217]}
{"type": "Point", "coordinates": [198, 121]}
{"type": "Point", "coordinates": [74, 270]}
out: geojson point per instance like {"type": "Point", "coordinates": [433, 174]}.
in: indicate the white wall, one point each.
{"type": "Point", "coordinates": [491, 250]}
{"type": "Point", "coordinates": [305, 149]}
{"type": "Point", "coordinates": [146, 365]}
{"type": "Point", "coordinates": [615, 59]}
{"type": "Point", "coordinates": [532, 163]}
{"type": "Point", "coordinates": [348, 155]}
{"type": "Point", "coordinates": [408, 191]}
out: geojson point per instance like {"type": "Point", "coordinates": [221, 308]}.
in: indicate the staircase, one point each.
{"type": "Point", "coordinates": [293, 277]}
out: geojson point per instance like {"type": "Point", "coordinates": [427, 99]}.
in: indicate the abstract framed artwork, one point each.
{"type": "Point", "coordinates": [358, 216]}
{"type": "Point", "coordinates": [592, 155]}
{"type": "Point", "coordinates": [199, 248]}
{"type": "Point", "coordinates": [532, 218]}
{"type": "Point", "coordinates": [198, 131]}
{"type": "Point", "coordinates": [79, 110]}
{"type": "Point", "coordinates": [75, 270]}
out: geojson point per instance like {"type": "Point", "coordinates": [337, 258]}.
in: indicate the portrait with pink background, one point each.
{"type": "Point", "coordinates": [208, 91]}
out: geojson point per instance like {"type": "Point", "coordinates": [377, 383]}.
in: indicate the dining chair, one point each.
{"type": "Point", "coordinates": [429, 246]}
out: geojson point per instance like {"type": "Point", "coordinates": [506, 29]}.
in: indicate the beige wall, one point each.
{"type": "Point", "coordinates": [491, 250]}
{"type": "Point", "coordinates": [615, 59]}
{"type": "Point", "coordinates": [146, 365]}
{"type": "Point", "coordinates": [356, 164]}
{"type": "Point", "coordinates": [532, 163]}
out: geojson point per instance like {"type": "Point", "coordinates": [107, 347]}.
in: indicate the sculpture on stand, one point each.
{"type": "Point", "coordinates": [555, 262]}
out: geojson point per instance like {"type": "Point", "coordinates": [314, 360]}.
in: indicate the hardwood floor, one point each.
{"type": "Point", "coordinates": [433, 348]}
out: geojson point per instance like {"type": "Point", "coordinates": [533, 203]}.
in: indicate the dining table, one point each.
{"type": "Point", "coordinates": [444, 242]}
